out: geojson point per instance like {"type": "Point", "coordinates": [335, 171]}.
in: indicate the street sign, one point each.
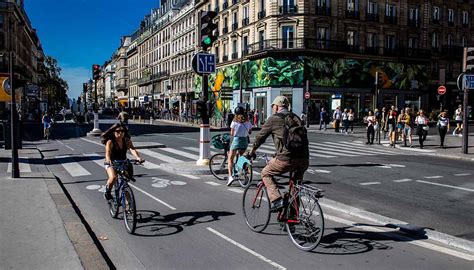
{"type": "Point", "coordinates": [469, 82]}
{"type": "Point", "coordinates": [307, 95]}
{"type": "Point", "coordinates": [442, 90]}
{"type": "Point", "coordinates": [6, 86]}
{"type": "Point", "coordinates": [204, 63]}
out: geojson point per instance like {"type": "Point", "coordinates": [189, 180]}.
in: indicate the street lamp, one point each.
{"type": "Point", "coordinates": [241, 61]}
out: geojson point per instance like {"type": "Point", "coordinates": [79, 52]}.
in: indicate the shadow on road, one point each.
{"type": "Point", "coordinates": [152, 224]}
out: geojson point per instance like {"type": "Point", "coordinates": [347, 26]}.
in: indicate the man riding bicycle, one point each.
{"type": "Point", "coordinates": [285, 160]}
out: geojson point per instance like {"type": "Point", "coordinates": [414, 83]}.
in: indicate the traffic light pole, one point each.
{"type": "Point", "coordinates": [465, 122]}
{"type": "Point", "coordinates": [205, 132]}
{"type": "Point", "coordinates": [13, 114]}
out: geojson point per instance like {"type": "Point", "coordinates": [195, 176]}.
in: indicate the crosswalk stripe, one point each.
{"type": "Point", "coordinates": [94, 157]}
{"type": "Point", "coordinates": [343, 148]}
{"type": "Point", "coordinates": [23, 166]}
{"type": "Point", "coordinates": [339, 151]}
{"type": "Point", "coordinates": [160, 156]}
{"type": "Point", "coordinates": [180, 153]}
{"type": "Point", "coordinates": [363, 147]}
{"type": "Point", "coordinates": [352, 147]}
{"type": "Point", "coordinates": [196, 149]}
{"type": "Point", "coordinates": [311, 153]}
{"type": "Point", "coordinates": [73, 167]}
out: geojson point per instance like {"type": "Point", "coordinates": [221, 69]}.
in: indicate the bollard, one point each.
{"type": "Point", "coordinates": [151, 120]}
{"type": "Point", "coordinates": [139, 119]}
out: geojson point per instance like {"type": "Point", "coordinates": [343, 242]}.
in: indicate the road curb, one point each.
{"type": "Point", "coordinates": [446, 239]}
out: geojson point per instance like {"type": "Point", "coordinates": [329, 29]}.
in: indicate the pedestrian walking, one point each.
{"type": "Point", "coordinates": [255, 118]}
{"type": "Point", "coordinates": [323, 119]}
{"type": "Point", "coordinates": [458, 118]}
{"type": "Point", "coordinates": [371, 121]}
{"type": "Point", "coordinates": [400, 125]}
{"type": "Point", "coordinates": [303, 118]}
{"type": "Point", "coordinates": [345, 121]}
{"type": "Point", "coordinates": [407, 128]}
{"type": "Point", "coordinates": [377, 116]}
{"type": "Point", "coordinates": [46, 126]}
{"type": "Point", "coordinates": [391, 126]}
{"type": "Point", "coordinates": [422, 126]}
{"type": "Point", "coordinates": [383, 122]}
{"type": "Point", "coordinates": [337, 115]}
{"type": "Point", "coordinates": [443, 127]}
{"type": "Point", "coordinates": [351, 118]}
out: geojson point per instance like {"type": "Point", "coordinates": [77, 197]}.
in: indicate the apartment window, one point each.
{"type": "Point", "coordinates": [390, 10]}
{"type": "Point", "coordinates": [322, 33]}
{"type": "Point", "coordinates": [287, 36]}
{"type": "Point", "coordinates": [372, 40]}
{"type": "Point", "coordinates": [413, 43]}
{"type": "Point", "coordinates": [2, 42]}
{"type": "Point", "coordinates": [435, 40]}
{"type": "Point", "coordinates": [235, 24]}
{"type": "Point", "coordinates": [2, 19]}
{"type": "Point", "coordinates": [465, 18]}
{"type": "Point", "coordinates": [464, 41]}
{"type": "Point", "coordinates": [246, 12]}
{"type": "Point", "coordinates": [372, 7]}
{"type": "Point", "coordinates": [246, 44]}
{"type": "Point", "coordinates": [323, 3]}
{"type": "Point", "coordinates": [351, 38]}
{"type": "Point", "coordinates": [216, 6]}
{"type": "Point", "coordinates": [261, 39]}
{"type": "Point", "coordinates": [450, 40]}
{"type": "Point", "coordinates": [224, 49]}
{"type": "Point", "coordinates": [413, 14]}
{"type": "Point", "coordinates": [352, 5]}
{"type": "Point", "coordinates": [451, 16]}
{"type": "Point", "coordinates": [435, 14]}
{"type": "Point", "coordinates": [262, 5]}
{"type": "Point", "coordinates": [390, 42]}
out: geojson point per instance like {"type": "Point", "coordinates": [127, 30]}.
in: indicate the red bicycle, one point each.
{"type": "Point", "coordinates": [301, 216]}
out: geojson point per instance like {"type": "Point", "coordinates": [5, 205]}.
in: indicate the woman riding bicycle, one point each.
{"type": "Point", "coordinates": [239, 130]}
{"type": "Point", "coordinates": [117, 141]}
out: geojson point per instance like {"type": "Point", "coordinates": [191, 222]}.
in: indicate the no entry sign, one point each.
{"type": "Point", "coordinates": [442, 90]}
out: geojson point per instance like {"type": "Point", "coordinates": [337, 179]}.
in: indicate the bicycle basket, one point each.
{"type": "Point", "coordinates": [221, 141]}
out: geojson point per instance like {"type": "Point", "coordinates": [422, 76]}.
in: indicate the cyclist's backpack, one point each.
{"type": "Point", "coordinates": [295, 135]}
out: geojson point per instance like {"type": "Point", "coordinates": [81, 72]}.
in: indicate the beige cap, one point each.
{"type": "Point", "coordinates": [281, 101]}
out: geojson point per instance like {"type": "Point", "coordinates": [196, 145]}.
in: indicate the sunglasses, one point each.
{"type": "Point", "coordinates": [119, 131]}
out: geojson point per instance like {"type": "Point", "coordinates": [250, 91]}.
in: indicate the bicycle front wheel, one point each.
{"type": "Point", "coordinates": [256, 207]}
{"type": "Point", "coordinates": [305, 222]}
{"type": "Point", "coordinates": [113, 203]}
{"type": "Point", "coordinates": [218, 166]}
{"type": "Point", "coordinates": [246, 177]}
{"type": "Point", "coordinates": [129, 210]}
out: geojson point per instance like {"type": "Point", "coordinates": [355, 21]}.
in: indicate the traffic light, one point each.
{"type": "Point", "coordinates": [84, 87]}
{"type": "Point", "coordinates": [201, 108]}
{"type": "Point", "coordinates": [95, 71]}
{"type": "Point", "coordinates": [470, 60]}
{"type": "Point", "coordinates": [210, 107]}
{"type": "Point", "coordinates": [207, 27]}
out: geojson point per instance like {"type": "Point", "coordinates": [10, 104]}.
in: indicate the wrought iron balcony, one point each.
{"type": "Point", "coordinates": [225, 30]}
{"type": "Point", "coordinates": [452, 51]}
{"type": "Point", "coordinates": [391, 19]}
{"type": "Point", "coordinates": [450, 23]}
{"type": "Point", "coordinates": [216, 9]}
{"type": "Point", "coordinates": [262, 14]}
{"type": "Point", "coordinates": [288, 9]}
{"type": "Point", "coordinates": [371, 50]}
{"type": "Point", "coordinates": [245, 21]}
{"type": "Point", "coordinates": [235, 55]}
{"type": "Point", "coordinates": [323, 11]}
{"type": "Point", "coordinates": [372, 17]}
{"type": "Point", "coordinates": [352, 14]}
{"type": "Point", "coordinates": [465, 25]}
{"type": "Point", "coordinates": [435, 21]}
{"type": "Point", "coordinates": [415, 53]}
{"type": "Point", "coordinates": [413, 22]}
{"type": "Point", "coordinates": [235, 26]}
{"type": "Point", "coordinates": [225, 58]}
{"type": "Point", "coordinates": [390, 51]}
{"type": "Point", "coordinates": [234, 2]}
{"type": "Point", "coordinates": [352, 48]}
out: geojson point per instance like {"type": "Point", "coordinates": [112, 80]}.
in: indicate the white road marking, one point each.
{"type": "Point", "coordinates": [213, 183]}
{"type": "Point", "coordinates": [444, 185]}
{"type": "Point", "coordinates": [235, 243]}
{"type": "Point", "coordinates": [354, 146]}
{"type": "Point", "coordinates": [322, 171]}
{"type": "Point", "coordinates": [397, 165]}
{"type": "Point", "coordinates": [91, 141]}
{"type": "Point", "coordinates": [462, 174]}
{"type": "Point", "coordinates": [98, 159]}
{"type": "Point", "coordinates": [23, 166]}
{"type": "Point", "coordinates": [236, 190]}
{"type": "Point", "coordinates": [178, 183]}
{"type": "Point", "coordinates": [332, 151]}
{"type": "Point", "coordinates": [189, 139]}
{"type": "Point", "coordinates": [180, 153]}
{"type": "Point", "coordinates": [93, 187]}
{"type": "Point", "coordinates": [402, 180]}
{"type": "Point", "coordinates": [73, 167]}
{"type": "Point", "coordinates": [190, 176]}
{"type": "Point", "coordinates": [369, 183]}
{"type": "Point", "coordinates": [384, 167]}
{"type": "Point", "coordinates": [160, 156]}
{"type": "Point", "coordinates": [420, 243]}
{"type": "Point", "coordinates": [59, 141]}
{"type": "Point", "coordinates": [196, 149]}
{"type": "Point", "coordinates": [256, 173]}
{"type": "Point", "coordinates": [311, 153]}
{"type": "Point", "coordinates": [153, 197]}
{"type": "Point", "coordinates": [433, 177]}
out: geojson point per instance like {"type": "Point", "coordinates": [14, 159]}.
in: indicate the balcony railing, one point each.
{"type": "Point", "coordinates": [234, 2]}
{"type": "Point", "coordinates": [262, 14]}
{"type": "Point", "coordinates": [225, 30]}
{"type": "Point", "coordinates": [352, 14]}
{"type": "Point", "coordinates": [391, 19]}
{"type": "Point", "coordinates": [371, 50]}
{"type": "Point", "coordinates": [216, 9]}
{"type": "Point", "coordinates": [235, 26]}
{"type": "Point", "coordinates": [323, 11]}
{"type": "Point", "coordinates": [225, 58]}
{"type": "Point", "coordinates": [413, 22]}
{"type": "Point", "coordinates": [415, 53]}
{"type": "Point", "coordinates": [288, 9]}
{"type": "Point", "coordinates": [434, 21]}
{"type": "Point", "coordinates": [245, 21]}
{"type": "Point", "coordinates": [352, 48]}
{"type": "Point", "coordinates": [372, 17]}
{"type": "Point", "coordinates": [465, 25]}
{"type": "Point", "coordinates": [390, 51]}
{"type": "Point", "coordinates": [120, 87]}
{"type": "Point", "coordinates": [234, 55]}
{"type": "Point", "coordinates": [450, 23]}
{"type": "Point", "coordinates": [246, 50]}
{"type": "Point", "coordinates": [452, 51]}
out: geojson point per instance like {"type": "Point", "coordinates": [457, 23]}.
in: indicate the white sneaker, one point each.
{"type": "Point", "coordinates": [230, 180]}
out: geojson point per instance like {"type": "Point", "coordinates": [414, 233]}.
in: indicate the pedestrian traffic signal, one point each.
{"type": "Point", "coordinates": [206, 29]}
{"type": "Point", "coordinates": [470, 60]}
{"type": "Point", "coordinates": [84, 87]}
{"type": "Point", "coordinates": [95, 71]}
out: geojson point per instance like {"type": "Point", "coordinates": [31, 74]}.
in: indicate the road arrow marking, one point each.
{"type": "Point", "coordinates": [369, 183]}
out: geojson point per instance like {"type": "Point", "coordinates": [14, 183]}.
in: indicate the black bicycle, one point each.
{"type": "Point", "coordinates": [122, 194]}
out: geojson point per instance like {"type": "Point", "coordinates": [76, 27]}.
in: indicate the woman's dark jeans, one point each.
{"type": "Point", "coordinates": [370, 134]}
{"type": "Point", "coordinates": [442, 133]}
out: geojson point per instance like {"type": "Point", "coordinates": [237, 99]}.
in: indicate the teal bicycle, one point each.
{"type": "Point", "coordinates": [242, 169]}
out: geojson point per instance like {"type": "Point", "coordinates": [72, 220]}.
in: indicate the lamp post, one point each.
{"type": "Point", "coordinates": [241, 61]}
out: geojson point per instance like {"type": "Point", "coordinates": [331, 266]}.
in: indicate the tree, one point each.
{"type": "Point", "coordinates": [54, 87]}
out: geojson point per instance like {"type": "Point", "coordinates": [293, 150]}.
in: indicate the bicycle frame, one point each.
{"type": "Point", "coordinates": [291, 198]}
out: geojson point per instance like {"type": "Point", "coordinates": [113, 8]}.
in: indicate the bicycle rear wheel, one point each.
{"type": "Point", "coordinates": [218, 166]}
{"type": "Point", "coordinates": [307, 228]}
{"type": "Point", "coordinates": [129, 210]}
{"type": "Point", "coordinates": [246, 176]}
{"type": "Point", "coordinates": [256, 207]}
{"type": "Point", "coordinates": [114, 204]}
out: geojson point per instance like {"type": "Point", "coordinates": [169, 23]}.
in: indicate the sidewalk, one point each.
{"type": "Point", "coordinates": [178, 123]}
{"type": "Point", "coordinates": [39, 227]}
{"type": "Point", "coordinates": [453, 144]}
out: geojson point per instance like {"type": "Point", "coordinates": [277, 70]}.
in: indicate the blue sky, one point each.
{"type": "Point", "coordinates": [79, 33]}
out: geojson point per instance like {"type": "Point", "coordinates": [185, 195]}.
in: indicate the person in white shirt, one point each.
{"type": "Point", "coordinates": [443, 127]}
{"type": "Point", "coordinates": [458, 118]}
{"type": "Point", "coordinates": [240, 128]}
{"type": "Point", "coordinates": [421, 122]}
{"type": "Point", "coordinates": [371, 121]}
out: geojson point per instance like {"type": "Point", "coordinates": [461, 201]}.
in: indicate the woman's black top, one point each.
{"type": "Point", "coordinates": [118, 153]}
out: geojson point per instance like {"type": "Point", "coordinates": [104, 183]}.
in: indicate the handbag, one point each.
{"type": "Point", "coordinates": [426, 127]}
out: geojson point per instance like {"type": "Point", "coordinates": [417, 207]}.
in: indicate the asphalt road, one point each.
{"type": "Point", "coordinates": [189, 221]}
